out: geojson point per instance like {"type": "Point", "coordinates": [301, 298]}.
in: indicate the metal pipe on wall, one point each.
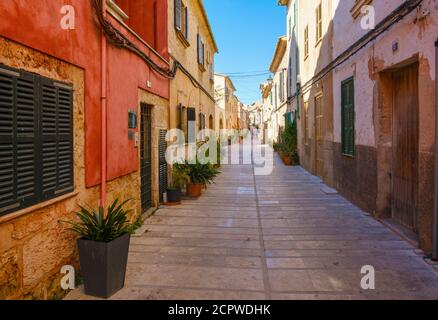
{"type": "Point", "coordinates": [103, 172]}
{"type": "Point", "coordinates": [435, 223]}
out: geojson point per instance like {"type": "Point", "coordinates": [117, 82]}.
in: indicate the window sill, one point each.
{"type": "Point", "coordinates": [25, 211]}
{"type": "Point", "coordinates": [201, 67]}
{"type": "Point", "coordinates": [356, 10]}
{"type": "Point", "coordinates": [182, 38]}
{"type": "Point", "coordinates": [349, 156]}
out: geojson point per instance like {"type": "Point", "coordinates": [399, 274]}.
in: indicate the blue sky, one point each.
{"type": "Point", "coordinates": [246, 32]}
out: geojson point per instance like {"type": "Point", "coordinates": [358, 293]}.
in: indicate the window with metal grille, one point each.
{"type": "Point", "coordinates": [348, 117]}
{"type": "Point", "coordinates": [36, 139]}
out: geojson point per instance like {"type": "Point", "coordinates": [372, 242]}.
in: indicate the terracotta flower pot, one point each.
{"type": "Point", "coordinates": [194, 190]}
{"type": "Point", "coordinates": [288, 160]}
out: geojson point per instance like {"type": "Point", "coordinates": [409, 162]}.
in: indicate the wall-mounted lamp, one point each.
{"type": "Point", "coordinates": [270, 80]}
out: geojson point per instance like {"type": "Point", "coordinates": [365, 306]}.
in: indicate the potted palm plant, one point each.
{"type": "Point", "coordinates": [179, 179]}
{"type": "Point", "coordinates": [103, 247]}
{"type": "Point", "coordinates": [200, 176]}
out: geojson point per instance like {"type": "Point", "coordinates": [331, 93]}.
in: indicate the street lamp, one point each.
{"type": "Point", "coordinates": [270, 80]}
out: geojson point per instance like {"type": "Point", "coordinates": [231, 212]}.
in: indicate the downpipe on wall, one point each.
{"type": "Point", "coordinates": [103, 171]}
{"type": "Point", "coordinates": [435, 222]}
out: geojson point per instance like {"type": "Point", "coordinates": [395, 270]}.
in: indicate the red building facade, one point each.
{"type": "Point", "coordinates": [123, 74]}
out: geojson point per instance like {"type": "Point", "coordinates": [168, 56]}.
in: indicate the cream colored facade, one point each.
{"type": "Point", "coordinates": [350, 103]}
{"type": "Point", "coordinates": [225, 100]}
{"type": "Point", "coordinates": [315, 35]}
{"type": "Point", "coordinates": [194, 86]}
{"type": "Point", "coordinates": [275, 93]}
{"type": "Point", "coordinates": [242, 116]}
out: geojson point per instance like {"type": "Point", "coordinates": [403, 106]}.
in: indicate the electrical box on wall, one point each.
{"type": "Point", "coordinates": [132, 119]}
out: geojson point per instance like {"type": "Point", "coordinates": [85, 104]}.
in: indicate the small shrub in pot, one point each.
{"type": "Point", "coordinates": [103, 247]}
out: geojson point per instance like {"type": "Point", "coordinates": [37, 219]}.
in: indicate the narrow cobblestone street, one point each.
{"type": "Point", "coordinates": [281, 236]}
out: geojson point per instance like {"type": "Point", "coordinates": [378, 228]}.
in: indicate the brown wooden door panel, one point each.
{"type": "Point", "coordinates": [405, 147]}
{"type": "Point", "coordinates": [319, 136]}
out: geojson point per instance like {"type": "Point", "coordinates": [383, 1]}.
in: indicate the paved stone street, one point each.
{"type": "Point", "coordinates": [282, 236]}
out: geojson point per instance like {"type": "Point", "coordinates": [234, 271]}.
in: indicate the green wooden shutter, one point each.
{"type": "Point", "coordinates": [348, 117]}
{"type": "Point", "coordinates": [8, 199]}
{"type": "Point", "coordinates": [199, 48]}
{"type": "Point", "coordinates": [36, 139]}
{"type": "Point", "coordinates": [177, 12]}
{"type": "Point", "coordinates": [186, 19]}
{"type": "Point", "coordinates": [26, 140]}
{"type": "Point", "coordinates": [162, 146]}
{"type": "Point", "coordinates": [18, 140]}
{"type": "Point", "coordinates": [56, 138]}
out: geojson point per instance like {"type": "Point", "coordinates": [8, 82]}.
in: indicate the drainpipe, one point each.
{"type": "Point", "coordinates": [435, 224]}
{"type": "Point", "coordinates": [103, 66]}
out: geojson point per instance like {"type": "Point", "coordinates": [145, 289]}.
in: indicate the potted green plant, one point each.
{"type": "Point", "coordinates": [289, 143]}
{"type": "Point", "coordinates": [179, 179]}
{"type": "Point", "coordinates": [103, 247]}
{"type": "Point", "coordinates": [200, 175]}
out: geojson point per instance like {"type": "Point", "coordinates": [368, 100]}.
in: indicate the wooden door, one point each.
{"type": "Point", "coordinates": [405, 147]}
{"type": "Point", "coordinates": [146, 157]}
{"type": "Point", "coordinates": [319, 136]}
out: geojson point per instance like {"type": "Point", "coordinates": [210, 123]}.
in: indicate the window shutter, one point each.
{"type": "Point", "coordinates": [18, 187]}
{"type": "Point", "coordinates": [7, 134]}
{"type": "Point", "coordinates": [162, 146]}
{"type": "Point", "coordinates": [348, 118]}
{"type": "Point", "coordinates": [191, 114]}
{"type": "Point", "coordinates": [199, 48]}
{"type": "Point", "coordinates": [191, 129]}
{"type": "Point", "coordinates": [56, 139]}
{"type": "Point", "coordinates": [281, 85]}
{"type": "Point", "coordinates": [26, 139]}
{"type": "Point", "coordinates": [36, 139]}
{"type": "Point", "coordinates": [177, 12]}
{"type": "Point", "coordinates": [203, 52]}
{"type": "Point", "coordinates": [179, 113]}
{"type": "Point", "coordinates": [186, 17]}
